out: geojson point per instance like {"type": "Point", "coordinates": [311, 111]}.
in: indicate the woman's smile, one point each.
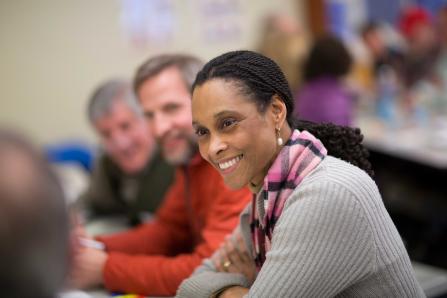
{"type": "Point", "coordinates": [227, 166]}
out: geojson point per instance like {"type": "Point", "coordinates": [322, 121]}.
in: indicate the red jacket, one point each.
{"type": "Point", "coordinates": [154, 258]}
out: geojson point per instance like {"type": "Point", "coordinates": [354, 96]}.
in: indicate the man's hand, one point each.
{"type": "Point", "coordinates": [233, 257]}
{"type": "Point", "coordinates": [87, 268]}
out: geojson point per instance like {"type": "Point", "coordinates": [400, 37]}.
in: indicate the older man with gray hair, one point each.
{"type": "Point", "coordinates": [130, 178]}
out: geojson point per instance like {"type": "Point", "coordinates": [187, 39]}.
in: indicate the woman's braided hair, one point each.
{"type": "Point", "coordinates": [260, 78]}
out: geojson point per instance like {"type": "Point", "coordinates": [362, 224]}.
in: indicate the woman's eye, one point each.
{"type": "Point", "coordinates": [228, 122]}
{"type": "Point", "coordinates": [201, 132]}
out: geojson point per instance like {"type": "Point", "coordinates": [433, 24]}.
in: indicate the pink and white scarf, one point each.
{"type": "Point", "coordinates": [299, 156]}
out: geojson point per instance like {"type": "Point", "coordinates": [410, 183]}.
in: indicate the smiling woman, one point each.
{"type": "Point", "coordinates": [226, 123]}
{"type": "Point", "coordinates": [312, 195]}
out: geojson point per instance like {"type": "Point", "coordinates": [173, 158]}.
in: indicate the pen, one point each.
{"type": "Point", "coordinates": [91, 243]}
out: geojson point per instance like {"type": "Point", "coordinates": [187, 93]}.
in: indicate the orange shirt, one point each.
{"type": "Point", "coordinates": [196, 214]}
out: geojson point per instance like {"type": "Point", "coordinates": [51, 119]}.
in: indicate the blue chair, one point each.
{"type": "Point", "coordinates": [71, 152]}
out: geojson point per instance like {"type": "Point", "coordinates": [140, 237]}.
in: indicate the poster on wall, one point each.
{"type": "Point", "coordinates": [222, 19]}
{"type": "Point", "coordinates": [148, 22]}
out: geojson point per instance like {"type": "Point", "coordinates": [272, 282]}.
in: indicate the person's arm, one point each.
{"type": "Point", "coordinates": [161, 274]}
{"type": "Point", "coordinates": [320, 244]}
{"type": "Point", "coordinates": [167, 234]}
{"type": "Point", "coordinates": [210, 281]}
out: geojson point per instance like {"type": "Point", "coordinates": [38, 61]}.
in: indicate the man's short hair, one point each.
{"type": "Point", "coordinates": [33, 222]}
{"type": "Point", "coordinates": [188, 66]}
{"type": "Point", "coordinates": [107, 94]}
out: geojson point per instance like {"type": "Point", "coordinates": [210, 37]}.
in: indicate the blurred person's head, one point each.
{"type": "Point", "coordinates": [34, 250]}
{"type": "Point", "coordinates": [416, 25]}
{"type": "Point", "coordinates": [283, 40]}
{"type": "Point", "coordinates": [279, 23]}
{"type": "Point", "coordinates": [163, 86]}
{"type": "Point", "coordinates": [327, 57]}
{"type": "Point", "coordinates": [118, 119]}
{"type": "Point", "coordinates": [371, 34]}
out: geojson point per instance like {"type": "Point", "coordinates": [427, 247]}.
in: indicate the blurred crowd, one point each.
{"type": "Point", "coordinates": [395, 72]}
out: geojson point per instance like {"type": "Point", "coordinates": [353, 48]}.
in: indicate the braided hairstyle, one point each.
{"type": "Point", "coordinates": [259, 78]}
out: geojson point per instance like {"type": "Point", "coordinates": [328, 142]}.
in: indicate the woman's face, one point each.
{"type": "Point", "coordinates": [233, 136]}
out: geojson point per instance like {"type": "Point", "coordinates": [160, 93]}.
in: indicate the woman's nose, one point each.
{"type": "Point", "coordinates": [217, 145]}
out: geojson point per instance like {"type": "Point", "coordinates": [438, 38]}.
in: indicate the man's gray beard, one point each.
{"type": "Point", "coordinates": [187, 155]}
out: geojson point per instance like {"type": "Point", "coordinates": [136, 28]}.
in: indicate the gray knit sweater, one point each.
{"type": "Point", "coordinates": [334, 238]}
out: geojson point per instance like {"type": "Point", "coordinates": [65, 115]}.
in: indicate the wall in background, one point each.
{"type": "Point", "coordinates": [53, 53]}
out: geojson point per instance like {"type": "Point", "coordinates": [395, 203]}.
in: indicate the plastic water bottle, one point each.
{"type": "Point", "coordinates": [387, 92]}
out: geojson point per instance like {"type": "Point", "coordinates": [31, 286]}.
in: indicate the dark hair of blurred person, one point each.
{"type": "Point", "coordinates": [323, 97]}
{"type": "Point", "coordinates": [328, 57]}
{"type": "Point", "coordinates": [33, 223]}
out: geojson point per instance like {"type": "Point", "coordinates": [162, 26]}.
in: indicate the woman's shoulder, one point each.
{"type": "Point", "coordinates": [339, 180]}
{"type": "Point", "coordinates": [335, 170]}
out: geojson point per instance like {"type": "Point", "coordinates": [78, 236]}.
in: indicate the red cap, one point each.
{"type": "Point", "coordinates": [413, 17]}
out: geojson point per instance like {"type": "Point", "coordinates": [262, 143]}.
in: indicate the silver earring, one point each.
{"type": "Point", "coordinates": [279, 140]}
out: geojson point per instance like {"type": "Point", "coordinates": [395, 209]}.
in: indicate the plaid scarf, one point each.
{"type": "Point", "coordinates": [299, 156]}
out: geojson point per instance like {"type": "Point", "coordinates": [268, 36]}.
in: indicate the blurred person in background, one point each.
{"type": "Point", "coordinates": [130, 177]}
{"type": "Point", "coordinates": [197, 211]}
{"type": "Point", "coordinates": [324, 97]}
{"type": "Point", "coordinates": [416, 25]}
{"type": "Point", "coordinates": [285, 41]}
{"type": "Point", "coordinates": [34, 250]}
{"type": "Point", "coordinates": [381, 52]}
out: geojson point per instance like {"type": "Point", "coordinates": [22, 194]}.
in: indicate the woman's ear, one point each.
{"type": "Point", "coordinates": [278, 110]}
